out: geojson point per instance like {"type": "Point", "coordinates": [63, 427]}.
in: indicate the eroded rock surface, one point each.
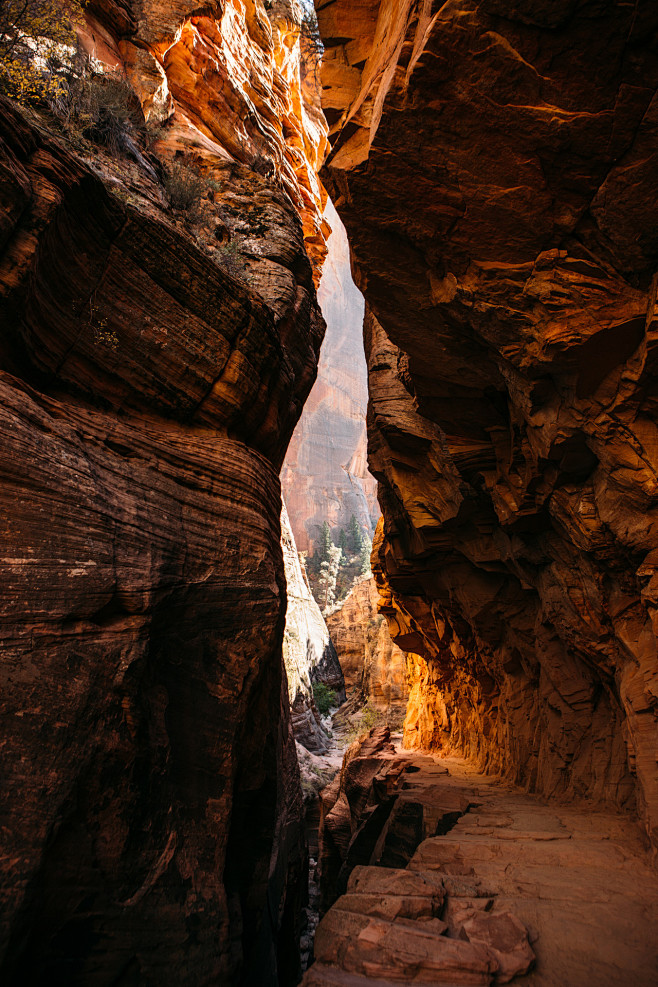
{"type": "Point", "coordinates": [151, 806]}
{"type": "Point", "coordinates": [233, 83]}
{"type": "Point", "coordinates": [373, 666]}
{"type": "Point", "coordinates": [495, 167]}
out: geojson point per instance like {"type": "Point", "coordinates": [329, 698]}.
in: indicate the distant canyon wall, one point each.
{"type": "Point", "coordinates": [495, 166]}
{"type": "Point", "coordinates": [325, 474]}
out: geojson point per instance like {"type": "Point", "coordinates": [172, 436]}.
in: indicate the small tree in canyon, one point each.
{"type": "Point", "coordinates": [325, 544]}
{"type": "Point", "coordinates": [355, 536]}
{"type": "Point", "coordinates": [364, 556]}
{"type": "Point", "coordinates": [327, 577]}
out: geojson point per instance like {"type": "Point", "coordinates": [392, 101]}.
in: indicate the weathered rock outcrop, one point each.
{"type": "Point", "coordinates": [325, 474]}
{"type": "Point", "coordinates": [151, 803]}
{"type": "Point", "coordinates": [372, 664]}
{"type": "Point", "coordinates": [495, 167]}
{"type": "Point", "coordinates": [309, 655]}
{"type": "Point", "coordinates": [235, 82]}
{"type": "Point", "coordinates": [371, 815]}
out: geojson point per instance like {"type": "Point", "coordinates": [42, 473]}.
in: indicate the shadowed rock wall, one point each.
{"type": "Point", "coordinates": [309, 655]}
{"type": "Point", "coordinates": [495, 165]}
{"type": "Point", "coordinates": [151, 799]}
{"type": "Point", "coordinates": [151, 803]}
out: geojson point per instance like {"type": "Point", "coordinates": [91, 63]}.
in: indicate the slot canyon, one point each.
{"type": "Point", "coordinates": [329, 477]}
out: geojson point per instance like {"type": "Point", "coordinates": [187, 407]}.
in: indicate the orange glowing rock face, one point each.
{"type": "Point", "coordinates": [495, 166]}
{"type": "Point", "coordinates": [370, 661]}
{"type": "Point", "coordinates": [237, 84]}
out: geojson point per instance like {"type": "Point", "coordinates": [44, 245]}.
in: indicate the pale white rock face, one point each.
{"type": "Point", "coordinates": [308, 653]}
{"type": "Point", "coordinates": [325, 475]}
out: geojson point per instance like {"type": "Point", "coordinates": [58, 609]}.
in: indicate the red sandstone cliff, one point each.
{"type": "Point", "coordinates": [151, 801]}
{"type": "Point", "coordinates": [495, 166]}
{"type": "Point", "coordinates": [234, 82]}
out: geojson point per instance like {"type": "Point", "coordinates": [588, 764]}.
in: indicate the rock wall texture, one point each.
{"type": "Point", "coordinates": [151, 803]}
{"type": "Point", "coordinates": [309, 655]}
{"type": "Point", "coordinates": [234, 82]}
{"type": "Point", "coordinates": [325, 474]}
{"type": "Point", "coordinates": [372, 664]}
{"type": "Point", "coordinates": [495, 166]}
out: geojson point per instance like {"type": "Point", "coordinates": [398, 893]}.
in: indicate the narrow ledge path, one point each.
{"type": "Point", "coordinates": [512, 888]}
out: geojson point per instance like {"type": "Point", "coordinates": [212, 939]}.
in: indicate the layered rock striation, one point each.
{"type": "Point", "coordinates": [494, 166]}
{"type": "Point", "coordinates": [448, 877]}
{"type": "Point", "coordinates": [232, 83]}
{"type": "Point", "coordinates": [151, 803]}
{"type": "Point", "coordinates": [154, 363]}
{"type": "Point", "coordinates": [375, 669]}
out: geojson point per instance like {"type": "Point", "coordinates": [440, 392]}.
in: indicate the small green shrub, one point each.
{"type": "Point", "coordinates": [229, 258]}
{"type": "Point", "coordinates": [363, 721]}
{"type": "Point", "coordinates": [184, 187]}
{"type": "Point", "coordinates": [324, 697]}
{"type": "Point", "coordinates": [102, 108]}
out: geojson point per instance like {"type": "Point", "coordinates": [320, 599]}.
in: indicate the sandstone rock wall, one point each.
{"type": "Point", "coordinates": [309, 655]}
{"type": "Point", "coordinates": [151, 803]}
{"type": "Point", "coordinates": [372, 664]}
{"type": "Point", "coordinates": [325, 475]}
{"type": "Point", "coordinates": [235, 81]}
{"type": "Point", "coordinates": [495, 167]}
{"type": "Point", "coordinates": [149, 390]}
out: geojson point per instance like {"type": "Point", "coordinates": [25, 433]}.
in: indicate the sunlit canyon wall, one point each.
{"type": "Point", "coordinates": [495, 166]}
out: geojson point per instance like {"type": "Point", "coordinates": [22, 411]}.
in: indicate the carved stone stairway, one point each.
{"type": "Point", "coordinates": [487, 883]}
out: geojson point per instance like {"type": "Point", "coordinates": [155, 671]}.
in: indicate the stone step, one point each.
{"type": "Point", "coordinates": [413, 951]}
{"type": "Point", "coordinates": [323, 975]}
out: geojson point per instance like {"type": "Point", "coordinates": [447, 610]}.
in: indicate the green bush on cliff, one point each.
{"type": "Point", "coordinates": [324, 697]}
{"type": "Point", "coordinates": [184, 186]}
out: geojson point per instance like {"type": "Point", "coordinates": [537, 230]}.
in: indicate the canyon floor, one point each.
{"type": "Point", "coordinates": [510, 877]}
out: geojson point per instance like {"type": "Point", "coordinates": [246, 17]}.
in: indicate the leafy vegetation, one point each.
{"type": "Point", "coordinates": [102, 108]}
{"type": "Point", "coordinates": [327, 578]}
{"type": "Point", "coordinates": [333, 569]}
{"type": "Point", "coordinates": [325, 698]}
{"type": "Point", "coordinates": [34, 36]}
{"type": "Point", "coordinates": [184, 186]}
{"type": "Point", "coordinates": [228, 257]}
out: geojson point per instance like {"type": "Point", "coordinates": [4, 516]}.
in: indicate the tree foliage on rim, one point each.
{"type": "Point", "coordinates": [32, 36]}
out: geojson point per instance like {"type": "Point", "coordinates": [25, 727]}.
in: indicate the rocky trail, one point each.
{"type": "Point", "coordinates": [449, 878]}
